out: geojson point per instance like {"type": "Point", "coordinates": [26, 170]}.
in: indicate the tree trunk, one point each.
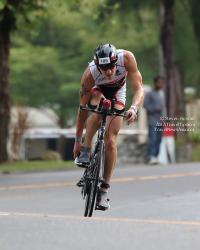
{"type": "Point", "coordinates": [62, 121]}
{"type": "Point", "coordinates": [174, 89]}
{"type": "Point", "coordinates": [166, 46]}
{"type": "Point", "coordinates": [5, 27]}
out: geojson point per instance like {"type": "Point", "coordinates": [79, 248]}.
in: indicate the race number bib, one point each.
{"type": "Point", "coordinates": [104, 60]}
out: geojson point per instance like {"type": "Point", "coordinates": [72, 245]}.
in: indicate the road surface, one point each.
{"type": "Point", "coordinates": [152, 208]}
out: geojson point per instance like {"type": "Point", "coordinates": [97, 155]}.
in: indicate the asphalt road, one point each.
{"type": "Point", "coordinates": [155, 208]}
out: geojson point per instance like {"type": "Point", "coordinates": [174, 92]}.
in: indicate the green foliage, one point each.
{"type": "Point", "coordinates": [195, 153]}
{"type": "Point", "coordinates": [129, 5]}
{"type": "Point", "coordinates": [2, 4]}
{"type": "Point", "coordinates": [38, 78]}
{"type": "Point", "coordinates": [187, 51]}
{"type": "Point", "coordinates": [180, 141]}
{"type": "Point", "coordinates": [13, 12]}
{"type": "Point", "coordinates": [195, 137]}
{"type": "Point", "coordinates": [47, 62]}
{"type": "Point", "coordinates": [194, 13]}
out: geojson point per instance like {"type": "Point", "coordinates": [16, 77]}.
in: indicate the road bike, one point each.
{"type": "Point", "coordinates": [93, 175]}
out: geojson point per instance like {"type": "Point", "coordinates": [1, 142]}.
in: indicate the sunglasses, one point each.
{"type": "Point", "coordinates": [106, 67]}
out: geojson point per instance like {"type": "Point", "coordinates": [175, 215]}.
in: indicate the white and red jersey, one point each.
{"type": "Point", "coordinates": [114, 88]}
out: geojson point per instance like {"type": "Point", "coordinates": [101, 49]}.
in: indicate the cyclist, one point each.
{"type": "Point", "coordinates": [105, 77]}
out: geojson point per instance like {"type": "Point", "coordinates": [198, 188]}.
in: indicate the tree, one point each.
{"type": "Point", "coordinates": [10, 12]}
{"type": "Point", "coordinates": [57, 51]}
{"type": "Point", "coordinates": [169, 66]}
{"type": "Point", "coordinates": [176, 35]}
{"type": "Point", "coordinates": [54, 54]}
{"type": "Point", "coordinates": [195, 9]}
{"type": "Point", "coordinates": [47, 68]}
{"type": "Point", "coordinates": [173, 89]}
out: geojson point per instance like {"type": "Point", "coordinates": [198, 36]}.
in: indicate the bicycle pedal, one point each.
{"type": "Point", "coordinates": [80, 164]}
{"type": "Point", "coordinates": [100, 208]}
{"type": "Point", "coordinates": [79, 184]}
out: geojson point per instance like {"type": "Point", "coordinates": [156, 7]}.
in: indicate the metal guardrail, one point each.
{"type": "Point", "coordinates": [70, 133]}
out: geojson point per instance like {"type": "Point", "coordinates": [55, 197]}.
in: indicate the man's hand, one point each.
{"type": "Point", "coordinates": [77, 148]}
{"type": "Point", "coordinates": [130, 116]}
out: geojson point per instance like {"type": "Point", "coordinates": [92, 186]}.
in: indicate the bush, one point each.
{"type": "Point", "coordinates": [51, 155]}
{"type": "Point", "coordinates": [195, 137]}
{"type": "Point", "coordinates": [195, 153]}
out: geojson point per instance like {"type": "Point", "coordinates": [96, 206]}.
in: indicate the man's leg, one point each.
{"type": "Point", "coordinates": [92, 125]}
{"type": "Point", "coordinates": [93, 121]}
{"type": "Point", "coordinates": [158, 140]}
{"type": "Point", "coordinates": [151, 142]}
{"type": "Point", "coordinates": [113, 126]}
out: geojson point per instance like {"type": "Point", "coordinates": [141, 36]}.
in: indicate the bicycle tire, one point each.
{"type": "Point", "coordinates": [87, 199]}
{"type": "Point", "coordinates": [95, 182]}
{"type": "Point", "coordinates": [89, 183]}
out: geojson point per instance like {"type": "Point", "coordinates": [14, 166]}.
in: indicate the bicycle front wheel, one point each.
{"type": "Point", "coordinates": [99, 164]}
{"type": "Point", "coordinates": [87, 199]}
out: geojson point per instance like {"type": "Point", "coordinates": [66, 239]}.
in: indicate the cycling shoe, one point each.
{"type": "Point", "coordinates": [102, 202]}
{"type": "Point", "coordinates": [83, 160]}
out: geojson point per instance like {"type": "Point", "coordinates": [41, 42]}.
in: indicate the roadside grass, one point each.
{"type": "Point", "coordinates": [36, 165]}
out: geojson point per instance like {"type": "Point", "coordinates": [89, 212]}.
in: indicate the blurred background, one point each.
{"type": "Point", "coordinates": [50, 45]}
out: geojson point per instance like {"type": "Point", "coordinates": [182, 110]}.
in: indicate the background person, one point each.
{"type": "Point", "coordinates": [154, 103]}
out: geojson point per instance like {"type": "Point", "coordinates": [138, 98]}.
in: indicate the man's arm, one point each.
{"type": "Point", "coordinates": [135, 81]}
{"type": "Point", "coordinates": [87, 83]}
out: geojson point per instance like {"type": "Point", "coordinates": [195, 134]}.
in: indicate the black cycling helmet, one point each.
{"type": "Point", "coordinates": [105, 54]}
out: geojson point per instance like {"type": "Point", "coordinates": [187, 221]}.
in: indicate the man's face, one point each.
{"type": "Point", "coordinates": [159, 83]}
{"type": "Point", "coordinates": [108, 72]}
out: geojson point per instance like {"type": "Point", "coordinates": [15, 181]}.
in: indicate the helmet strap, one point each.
{"type": "Point", "coordinates": [98, 69]}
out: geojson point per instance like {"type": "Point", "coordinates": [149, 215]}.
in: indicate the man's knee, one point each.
{"type": "Point", "coordinates": [93, 119]}
{"type": "Point", "coordinates": [95, 98]}
{"type": "Point", "coordinates": [97, 118]}
{"type": "Point", "coordinates": [110, 145]}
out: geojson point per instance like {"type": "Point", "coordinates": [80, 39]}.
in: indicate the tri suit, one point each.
{"type": "Point", "coordinates": [115, 88]}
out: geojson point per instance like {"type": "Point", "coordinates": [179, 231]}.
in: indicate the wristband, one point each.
{"type": "Point", "coordinates": [78, 139]}
{"type": "Point", "coordinates": [135, 108]}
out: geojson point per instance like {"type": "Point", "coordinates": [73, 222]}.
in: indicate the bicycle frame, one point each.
{"type": "Point", "coordinates": [92, 179]}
